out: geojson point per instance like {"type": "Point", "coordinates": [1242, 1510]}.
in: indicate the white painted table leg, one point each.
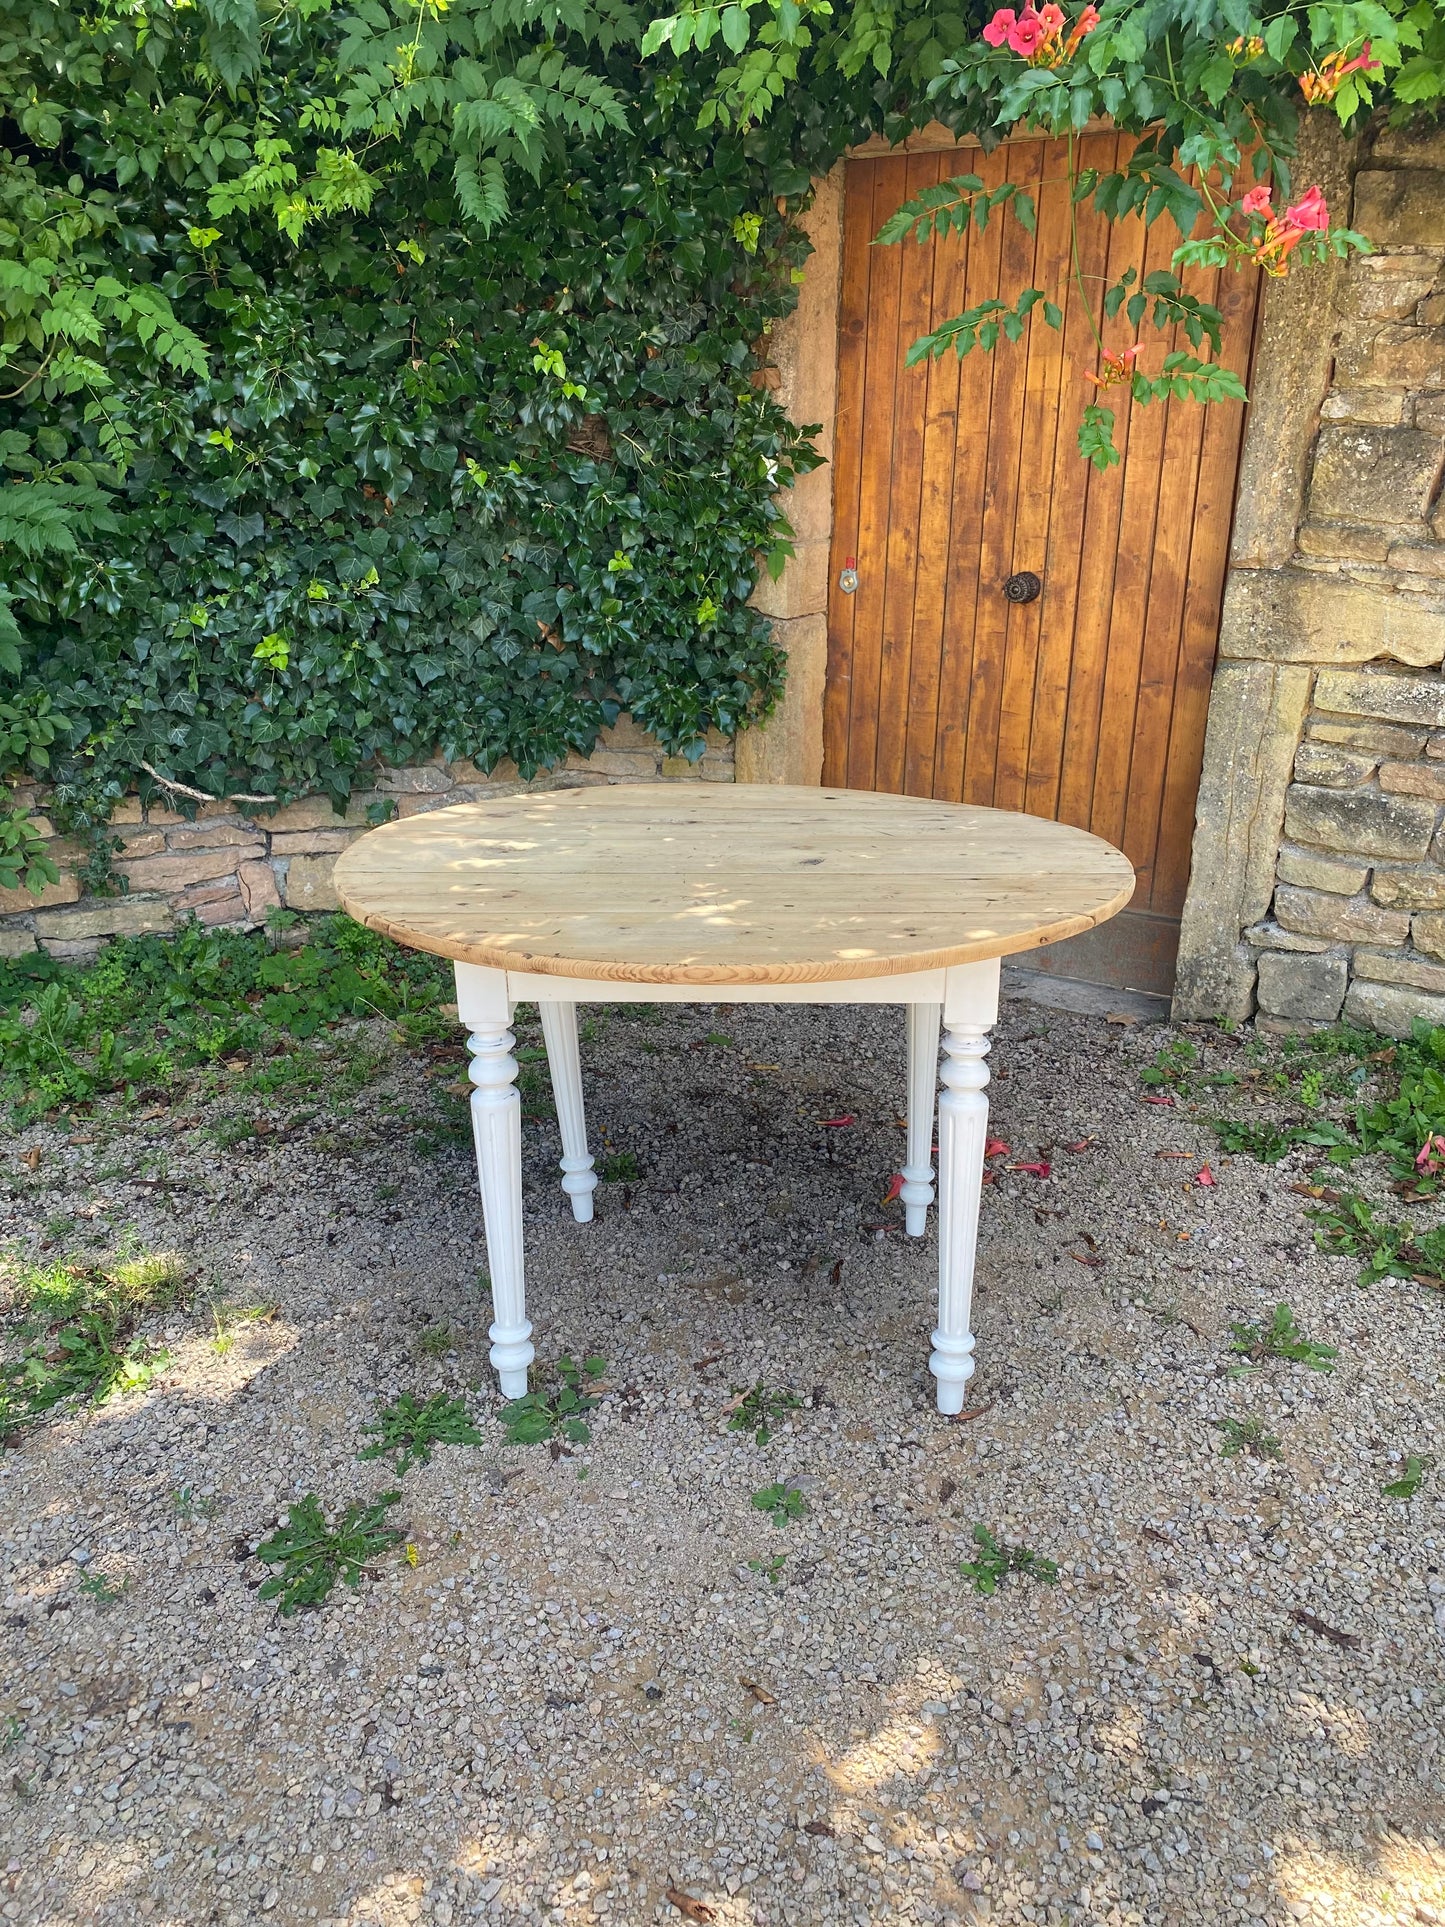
{"type": "Point", "coordinates": [917, 1193]}
{"type": "Point", "coordinates": [970, 1008]}
{"type": "Point", "coordinates": [497, 1129]}
{"type": "Point", "coordinates": [579, 1180]}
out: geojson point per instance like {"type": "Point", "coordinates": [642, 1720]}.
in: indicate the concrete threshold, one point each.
{"type": "Point", "coordinates": [1088, 1000]}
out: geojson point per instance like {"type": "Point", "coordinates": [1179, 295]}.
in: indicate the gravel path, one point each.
{"type": "Point", "coordinates": [582, 1694]}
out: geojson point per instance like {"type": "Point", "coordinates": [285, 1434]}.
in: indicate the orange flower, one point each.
{"type": "Point", "coordinates": [1324, 83]}
{"type": "Point", "coordinates": [1116, 368]}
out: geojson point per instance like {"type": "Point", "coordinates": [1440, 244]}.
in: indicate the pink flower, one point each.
{"type": "Point", "coordinates": [1257, 200]}
{"type": "Point", "coordinates": [1431, 1158]}
{"type": "Point", "coordinates": [1309, 213]}
{"type": "Point", "coordinates": [1026, 34]}
{"type": "Point", "coordinates": [1051, 17]}
{"type": "Point", "coordinates": [1000, 27]}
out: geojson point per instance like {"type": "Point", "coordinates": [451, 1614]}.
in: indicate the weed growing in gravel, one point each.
{"type": "Point", "coordinates": [1410, 1480]}
{"type": "Point", "coordinates": [225, 1319]}
{"type": "Point", "coordinates": [759, 1410]}
{"type": "Point", "coordinates": [1171, 1066]}
{"type": "Point", "coordinates": [620, 1168]}
{"type": "Point", "coordinates": [1268, 1143]}
{"type": "Point", "coordinates": [154, 1010]}
{"type": "Point", "coordinates": [101, 1587]}
{"type": "Point", "coordinates": [1280, 1338]}
{"type": "Point", "coordinates": [435, 1341]}
{"type": "Point", "coordinates": [781, 1503]}
{"type": "Point", "coordinates": [996, 1560]}
{"type": "Point", "coordinates": [1347, 1225]}
{"type": "Point", "coordinates": [76, 1326]}
{"type": "Point", "coordinates": [770, 1568]}
{"type": "Point", "coordinates": [412, 1428]}
{"type": "Point", "coordinates": [556, 1415]}
{"type": "Point", "coordinates": [1247, 1435]}
{"type": "Point", "coordinates": [448, 1128]}
{"type": "Point", "coordinates": [188, 1506]}
{"type": "Point", "coordinates": [312, 1556]}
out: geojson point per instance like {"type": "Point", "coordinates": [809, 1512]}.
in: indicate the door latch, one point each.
{"type": "Point", "coordinates": [1023, 587]}
{"type": "Point", "coordinates": [848, 576]}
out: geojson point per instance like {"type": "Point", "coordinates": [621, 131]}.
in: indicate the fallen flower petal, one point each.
{"type": "Point", "coordinates": [995, 1147]}
{"type": "Point", "coordinates": [1084, 1144]}
{"type": "Point", "coordinates": [1158, 1100]}
{"type": "Point", "coordinates": [1040, 1169]}
{"type": "Point", "coordinates": [838, 1123]}
{"type": "Point", "coordinates": [895, 1188]}
{"type": "Point", "coordinates": [1206, 1177]}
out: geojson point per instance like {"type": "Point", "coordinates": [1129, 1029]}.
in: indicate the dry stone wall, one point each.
{"type": "Point", "coordinates": [227, 868]}
{"type": "Point", "coordinates": [1319, 859]}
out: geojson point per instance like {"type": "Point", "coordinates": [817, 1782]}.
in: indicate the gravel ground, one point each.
{"type": "Point", "coordinates": [582, 1695]}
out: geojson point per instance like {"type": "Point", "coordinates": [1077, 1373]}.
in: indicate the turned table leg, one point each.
{"type": "Point", "coordinates": [579, 1180]}
{"type": "Point", "coordinates": [970, 1008]}
{"type": "Point", "coordinates": [917, 1193]}
{"type": "Point", "coordinates": [497, 1129]}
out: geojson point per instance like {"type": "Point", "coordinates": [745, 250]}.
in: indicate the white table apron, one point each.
{"type": "Point", "coordinates": [961, 1001]}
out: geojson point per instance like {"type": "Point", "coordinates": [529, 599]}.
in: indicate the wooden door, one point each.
{"type": "Point", "coordinates": [1088, 704]}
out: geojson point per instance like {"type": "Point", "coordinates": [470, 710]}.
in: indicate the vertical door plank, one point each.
{"type": "Point", "coordinates": [1034, 505]}
{"type": "Point", "coordinates": [885, 276]}
{"type": "Point", "coordinates": [935, 517]}
{"type": "Point", "coordinates": [1100, 548]}
{"type": "Point", "coordinates": [1069, 494]}
{"type": "Point", "coordinates": [975, 399]}
{"type": "Point", "coordinates": [900, 560]}
{"type": "Point", "coordinates": [1002, 463]}
{"type": "Point", "coordinates": [848, 454]}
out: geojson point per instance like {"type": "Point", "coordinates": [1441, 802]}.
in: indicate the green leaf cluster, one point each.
{"type": "Point", "coordinates": [312, 1556]}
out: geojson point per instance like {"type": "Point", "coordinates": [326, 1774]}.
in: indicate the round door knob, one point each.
{"type": "Point", "coordinates": [1023, 587]}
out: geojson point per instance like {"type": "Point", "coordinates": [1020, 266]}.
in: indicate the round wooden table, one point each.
{"type": "Point", "coordinates": [647, 892]}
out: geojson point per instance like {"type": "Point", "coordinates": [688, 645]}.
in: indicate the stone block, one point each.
{"type": "Point", "coordinates": [16, 942]}
{"type": "Point", "coordinates": [158, 815]}
{"type": "Point", "coordinates": [626, 733]}
{"type": "Point", "coordinates": [1429, 932]}
{"type": "Point", "coordinates": [1430, 413]}
{"type": "Point", "coordinates": [311, 842]}
{"type": "Point", "coordinates": [1392, 354]}
{"type": "Point", "coordinates": [1345, 541]}
{"type": "Point", "coordinates": [1431, 312]}
{"type": "Point", "coordinates": [1391, 1008]}
{"type": "Point", "coordinates": [1312, 987]}
{"type": "Point", "coordinates": [1292, 615]}
{"type": "Point", "coordinates": [1402, 207]}
{"type": "Point", "coordinates": [1436, 745]}
{"type": "Point", "coordinates": [1414, 779]}
{"type": "Point", "coordinates": [1401, 699]}
{"type": "Point", "coordinates": [1335, 768]}
{"type": "Point", "coordinates": [678, 768]}
{"type": "Point", "coordinates": [1370, 475]}
{"type": "Point", "coordinates": [1269, 936]}
{"type": "Point", "coordinates": [191, 902]}
{"type": "Point", "coordinates": [1387, 739]}
{"type": "Point", "coordinates": [308, 884]}
{"type": "Point", "coordinates": [1399, 967]}
{"type": "Point", "coordinates": [108, 917]}
{"type": "Point", "coordinates": [1418, 558]}
{"type": "Point", "coordinates": [422, 777]}
{"type": "Point", "coordinates": [174, 870]}
{"type": "Point", "coordinates": [230, 908]}
{"type": "Point", "coordinates": [1366, 821]}
{"type": "Point", "coordinates": [1317, 913]}
{"type": "Point", "coordinates": [1416, 145]}
{"type": "Point", "coordinates": [625, 762]}
{"type": "Point", "coordinates": [1409, 889]}
{"type": "Point", "coordinates": [74, 950]}
{"type": "Point", "coordinates": [127, 810]}
{"type": "Point", "coordinates": [232, 834]}
{"type": "Point", "coordinates": [307, 813]}
{"type": "Point", "coordinates": [142, 843]}
{"type": "Point", "coordinates": [1388, 287]}
{"type": "Point", "coordinates": [259, 889]}
{"type": "Point", "coordinates": [788, 746]}
{"type": "Point", "coordinates": [1314, 871]}
{"type": "Point", "coordinates": [13, 902]}
{"type": "Point", "coordinates": [1375, 407]}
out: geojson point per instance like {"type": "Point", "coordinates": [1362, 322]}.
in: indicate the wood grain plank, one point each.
{"type": "Point", "coordinates": [885, 279]}
{"type": "Point", "coordinates": [847, 460]}
{"type": "Point", "coordinates": [901, 559]}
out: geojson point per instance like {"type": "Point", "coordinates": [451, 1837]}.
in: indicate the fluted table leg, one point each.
{"type": "Point", "coordinates": [970, 1009]}
{"type": "Point", "coordinates": [497, 1129]}
{"type": "Point", "coordinates": [917, 1192]}
{"type": "Point", "coordinates": [579, 1180]}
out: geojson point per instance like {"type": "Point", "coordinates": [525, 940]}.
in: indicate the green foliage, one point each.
{"type": "Point", "coordinates": [620, 1167]}
{"type": "Point", "coordinates": [312, 1556]}
{"type": "Point", "coordinates": [1351, 1227]}
{"type": "Point", "coordinates": [24, 860]}
{"type": "Point", "coordinates": [75, 1324]}
{"type": "Point", "coordinates": [759, 1410]}
{"type": "Point", "coordinates": [781, 1502]}
{"type": "Point", "coordinates": [770, 1567]}
{"type": "Point", "coordinates": [411, 1428]}
{"type": "Point", "coordinates": [100, 1587]}
{"type": "Point", "coordinates": [996, 1560]}
{"type": "Point", "coordinates": [555, 1415]}
{"type": "Point", "coordinates": [1247, 1435]}
{"type": "Point", "coordinates": [1410, 1480]}
{"type": "Point", "coordinates": [310, 461]}
{"type": "Point", "coordinates": [1280, 1338]}
{"type": "Point", "coordinates": [1172, 1067]}
{"type": "Point", "coordinates": [152, 1009]}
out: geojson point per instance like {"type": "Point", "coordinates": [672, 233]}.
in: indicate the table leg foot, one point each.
{"type": "Point", "coordinates": [962, 1133]}
{"type": "Point", "coordinates": [579, 1180]}
{"type": "Point", "coordinates": [497, 1130]}
{"type": "Point", "coordinates": [917, 1192]}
